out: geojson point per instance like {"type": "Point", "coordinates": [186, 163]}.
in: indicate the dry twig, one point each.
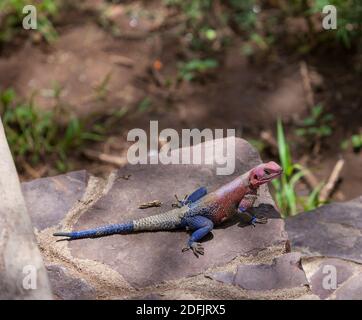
{"type": "Point", "coordinates": [307, 84]}
{"type": "Point", "coordinates": [267, 137]}
{"type": "Point", "coordinates": [105, 157]}
{"type": "Point", "coordinates": [332, 181]}
{"type": "Point", "coordinates": [310, 179]}
{"type": "Point", "coordinates": [150, 204]}
{"type": "Point", "coordinates": [122, 60]}
{"type": "Point", "coordinates": [126, 176]}
{"type": "Point", "coordinates": [34, 173]}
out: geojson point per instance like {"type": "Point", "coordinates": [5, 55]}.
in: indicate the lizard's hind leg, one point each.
{"type": "Point", "coordinates": [202, 227]}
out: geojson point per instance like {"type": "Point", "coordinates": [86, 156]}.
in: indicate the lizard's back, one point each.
{"type": "Point", "coordinates": [212, 207]}
{"type": "Point", "coordinates": [164, 221]}
{"type": "Point", "coordinates": [221, 204]}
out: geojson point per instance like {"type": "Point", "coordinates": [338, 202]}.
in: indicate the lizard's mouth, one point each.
{"type": "Point", "coordinates": [271, 175]}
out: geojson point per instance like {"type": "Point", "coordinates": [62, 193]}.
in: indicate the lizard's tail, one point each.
{"type": "Point", "coordinates": [98, 232]}
{"type": "Point", "coordinates": [164, 221]}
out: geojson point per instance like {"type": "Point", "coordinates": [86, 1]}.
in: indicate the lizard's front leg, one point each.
{"type": "Point", "coordinates": [202, 227]}
{"type": "Point", "coordinates": [245, 204]}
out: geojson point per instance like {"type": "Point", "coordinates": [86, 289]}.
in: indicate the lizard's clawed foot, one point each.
{"type": "Point", "coordinates": [196, 248]}
{"type": "Point", "coordinates": [254, 220]}
{"type": "Point", "coordinates": [179, 203]}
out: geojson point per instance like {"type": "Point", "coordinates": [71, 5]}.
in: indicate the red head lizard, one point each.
{"type": "Point", "coordinates": [198, 212]}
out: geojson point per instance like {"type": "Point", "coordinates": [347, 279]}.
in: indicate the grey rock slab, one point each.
{"type": "Point", "coordinates": [333, 278]}
{"type": "Point", "coordinates": [325, 275]}
{"type": "Point", "coordinates": [68, 287]}
{"type": "Point", "coordinates": [151, 296]}
{"type": "Point", "coordinates": [284, 272]}
{"type": "Point", "coordinates": [227, 277]}
{"type": "Point", "coordinates": [333, 230]}
{"type": "Point", "coordinates": [351, 290]}
{"type": "Point", "coordinates": [49, 199]}
{"type": "Point", "coordinates": [145, 259]}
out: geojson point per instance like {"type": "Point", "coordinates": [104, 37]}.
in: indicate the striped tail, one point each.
{"type": "Point", "coordinates": [165, 221]}
{"type": "Point", "coordinates": [98, 232]}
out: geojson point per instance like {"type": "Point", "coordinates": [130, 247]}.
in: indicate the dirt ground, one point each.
{"type": "Point", "coordinates": [243, 94]}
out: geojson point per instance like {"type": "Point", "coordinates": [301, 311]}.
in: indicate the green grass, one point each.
{"type": "Point", "coordinates": [317, 125]}
{"type": "Point", "coordinates": [287, 199]}
{"type": "Point", "coordinates": [349, 22]}
{"type": "Point", "coordinates": [203, 28]}
{"type": "Point", "coordinates": [355, 141]}
{"type": "Point", "coordinates": [262, 27]}
{"type": "Point", "coordinates": [12, 17]}
{"type": "Point", "coordinates": [37, 136]}
{"type": "Point", "coordinates": [144, 104]}
{"type": "Point", "coordinates": [195, 68]}
{"type": "Point", "coordinates": [102, 90]}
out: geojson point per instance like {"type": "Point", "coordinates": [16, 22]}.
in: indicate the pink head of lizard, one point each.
{"type": "Point", "coordinates": [264, 173]}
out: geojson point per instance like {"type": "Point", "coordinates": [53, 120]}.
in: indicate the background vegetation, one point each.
{"type": "Point", "coordinates": [57, 136]}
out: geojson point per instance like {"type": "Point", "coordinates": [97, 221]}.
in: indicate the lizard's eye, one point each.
{"type": "Point", "coordinates": [267, 171]}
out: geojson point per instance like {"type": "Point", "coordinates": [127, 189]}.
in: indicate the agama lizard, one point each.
{"type": "Point", "coordinates": [198, 212]}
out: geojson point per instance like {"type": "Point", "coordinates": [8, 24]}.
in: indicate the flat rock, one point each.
{"type": "Point", "coordinates": [68, 287]}
{"type": "Point", "coordinates": [227, 277]}
{"type": "Point", "coordinates": [333, 230]}
{"type": "Point", "coordinates": [284, 272]}
{"type": "Point", "coordinates": [146, 259]}
{"type": "Point", "coordinates": [351, 290]}
{"type": "Point", "coordinates": [332, 278]}
{"type": "Point", "coordinates": [49, 199]}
